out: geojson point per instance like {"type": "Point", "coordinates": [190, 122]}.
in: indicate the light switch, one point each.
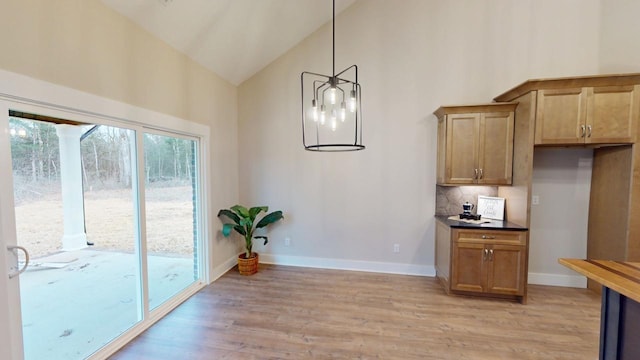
{"type": "Point", "coordinates": [535, 200]}
{"type": "Point", "coordinates": [585, 162]}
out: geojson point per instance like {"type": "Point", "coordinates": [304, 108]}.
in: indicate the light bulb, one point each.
{"type": "Point", "coordinates": [343, 111]}
{"type": "Point", "coordinates": [332, 95]}
{"type": "Point", "coordinates": [314, 110]}
{"type": "Point", "coordinates": [12, 132]}
{"type": "Point", "coordinates": [333, 119]}
{"type": "Point", "coordinates": [323, 115]}
{"type": "Point", "coordinates": [352, 101]}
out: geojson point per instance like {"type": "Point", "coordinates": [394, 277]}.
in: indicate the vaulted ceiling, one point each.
{"type": "Point", "coordinates": [233, 38]}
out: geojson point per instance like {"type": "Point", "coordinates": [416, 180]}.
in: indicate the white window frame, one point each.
{"type": "Point", "coordinates": [22, 93]}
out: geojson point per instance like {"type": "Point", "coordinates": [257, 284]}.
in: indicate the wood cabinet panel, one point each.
{"type": "Point", "coordinates": [443, 251]}
{"type": "Point", "coordinates": [610, 114]}
{"type": "Point", "coordinates": [468, 272]}
{"type": "Point", "coordinates": [518, 194]}
{"type": "Point", "coordinates": [560, 116]}
{"type": "Point", "coordinates": [609, 231]}
{"type": "Point", "coordinates": [503, 275]}
{"type": "Point", "coordinates": [475, 144]}
{"type": "Point", "coordinates": [483, 262]}
{"type": "Point", "coordinates": [589, 115]}
{"type": "Point", "coordinates": [492, 237]}
{"type": "Point", "coordinates": [495, 155]}
{"type": "Point", "coordinates": [462, 148]}
{"type": "Point", "coordinates": [442, 151]}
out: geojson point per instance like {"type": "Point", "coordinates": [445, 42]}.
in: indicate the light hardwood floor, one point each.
{"type": "Point", "coordinates": [297, 313]}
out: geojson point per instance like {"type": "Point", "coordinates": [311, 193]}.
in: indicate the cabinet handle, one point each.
{"type": "Point", "coordinates": [488, 237]}
{"type": "Point", "coordinates": [475, 176]}
{"type": "Point", "coordinates": [491, 255]}
{"type": "Point", "coordinates": [582, 131]}
{"type": "Point", "coordinates": [588, 130]}
{"type": "Point", "coordinates": [481, 174]}
{"type": "Point", "coordinates": [486, 252]}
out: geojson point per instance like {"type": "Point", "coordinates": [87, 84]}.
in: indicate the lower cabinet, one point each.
{"type": "Point", "coordinates": [483, 262]}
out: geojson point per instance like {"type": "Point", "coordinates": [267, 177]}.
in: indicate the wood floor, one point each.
{"type": "Point", "coordinates": [299, 313]}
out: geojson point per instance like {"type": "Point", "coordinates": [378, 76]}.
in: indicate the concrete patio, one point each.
{"type": "Point", "coordinates": [76, 302]}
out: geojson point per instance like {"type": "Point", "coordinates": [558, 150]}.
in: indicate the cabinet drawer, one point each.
{"type": "Point", "coordinates": [492, 237]}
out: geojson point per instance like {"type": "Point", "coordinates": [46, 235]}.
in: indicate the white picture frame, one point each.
{"type": "Point", "coordinates": [490, 207]}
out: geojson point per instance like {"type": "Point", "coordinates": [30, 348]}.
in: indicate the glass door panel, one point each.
{"type": "Point", "coordinates": [171, 193]}
{"type": "Point", "coordinates": [75, 212]}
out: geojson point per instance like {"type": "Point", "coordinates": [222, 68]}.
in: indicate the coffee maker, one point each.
{"type": "Point", "coordinates": [466, 212]}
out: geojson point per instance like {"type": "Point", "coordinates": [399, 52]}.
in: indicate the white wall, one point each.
{"type": "Point", "coordinates": [559, 227]}
{"type": "Point", "coordinates": [83, 45]}
{"type": "Point", "coordinates": [562, 182]}
{"type": "Point", "coordinates": [86, 46]}
{"type": "Point", "coordinates": [348, 209]}
{"type": "Point", "coordinates": [620, 50]}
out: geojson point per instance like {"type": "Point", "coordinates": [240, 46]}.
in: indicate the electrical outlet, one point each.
{"type": "Point", "coordinates": [535, 200]}
{"type": "Point", "coordinates": [287, 241]}
{"type": "Point", "coordinates": [396, 248]}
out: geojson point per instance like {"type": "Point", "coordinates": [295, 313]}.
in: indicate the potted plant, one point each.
{"type": "Point", "coordinates": [244, 223]}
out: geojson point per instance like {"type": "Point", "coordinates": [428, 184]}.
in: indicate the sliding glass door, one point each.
{"type": "Point", "coordinates": [171, 203]}
{"type": "Point", "coordinates": [76, 218]}
{"type": "Point", "coordinates": [111, 216]}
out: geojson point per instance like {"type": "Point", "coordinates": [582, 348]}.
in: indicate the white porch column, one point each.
{"type": "Point", "coordinates": [74, 237]}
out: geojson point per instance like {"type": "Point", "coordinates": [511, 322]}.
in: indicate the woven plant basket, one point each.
{"type": "Point", "coordinates": [248, 266]}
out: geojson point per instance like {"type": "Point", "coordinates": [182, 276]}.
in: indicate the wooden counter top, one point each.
{"type": "Point", "coordinates": [621, 276]}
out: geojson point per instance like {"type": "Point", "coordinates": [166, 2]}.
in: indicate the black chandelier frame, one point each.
{"type": "Point", "coordinates": [323, 83]}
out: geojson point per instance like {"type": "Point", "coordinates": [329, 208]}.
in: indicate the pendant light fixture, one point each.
{"type": "Point", "coordinates": [331, 107]}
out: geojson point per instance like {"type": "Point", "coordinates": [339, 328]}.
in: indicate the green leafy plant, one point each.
{"type": "Point", "coordinates": [244, 223]}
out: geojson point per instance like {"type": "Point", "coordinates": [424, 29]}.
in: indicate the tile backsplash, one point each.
{"type": "Point", "coordinates": [449, 199]}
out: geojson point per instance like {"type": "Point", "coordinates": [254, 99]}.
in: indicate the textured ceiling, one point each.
{"type": "Point", "coordinates": [233, 38]}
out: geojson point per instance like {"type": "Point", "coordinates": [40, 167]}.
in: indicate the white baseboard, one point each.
{"type": "Point", "coordinates": [223, 268]}
{"type": "Point", "coordinates": [576, 281]}
{"type": "Point", "coordinates": [343, 264]}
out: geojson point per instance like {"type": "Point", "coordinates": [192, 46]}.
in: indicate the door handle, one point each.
{"type": "Point", "coordinates": [475, 176]}
{"type": "Point", "coordinates": [588, 130]}
{"type": "Point", "coordinates": [491, 255]}
{"type": "Point", "coordinates": [481, 174]}
{"type": "Point", "coordinates": [15, 271]}
{"type": "Point", "coordinates": [486, 252]}
{"type": "Point", "coordinates": [582, 131]}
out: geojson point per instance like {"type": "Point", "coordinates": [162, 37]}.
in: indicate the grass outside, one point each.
{"type": "Point", "coordinates": [109, 221]}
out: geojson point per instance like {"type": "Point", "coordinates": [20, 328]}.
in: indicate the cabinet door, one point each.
{"type": "Point", "coordinates": [505, 269]}
{"type": "Point", "coordinates": [560, 116]}
{"type": "Point", "coordinates": [468, 272]}
{"type": "Point", "coordinates": [610, 114]}
{"type": "Point", "coordinates": [462, 148]}
{"type": "Point", "coordinates": [495, 148]}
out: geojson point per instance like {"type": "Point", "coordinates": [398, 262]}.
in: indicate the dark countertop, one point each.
{"type": "Point", "coordinates": [494, 224]}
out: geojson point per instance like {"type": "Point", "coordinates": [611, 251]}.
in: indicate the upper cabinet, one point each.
{"type": "Point", "coordinates": [475, 144]}
{"type": "Point", "coordinates": [601, 109]}
{"type": "Point", "coordinates": [588, 115]}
